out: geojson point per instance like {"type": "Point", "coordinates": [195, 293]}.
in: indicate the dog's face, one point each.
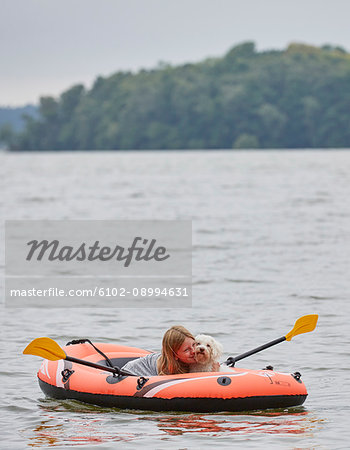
{"type": "Point", "coordinates": [207, 349]}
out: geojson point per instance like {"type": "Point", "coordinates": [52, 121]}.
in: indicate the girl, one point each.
{"type": "Point", "coordinates": [176, 356]}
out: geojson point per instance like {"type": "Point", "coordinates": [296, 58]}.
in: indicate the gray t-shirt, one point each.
{"type": "Point", "coordinates": [146, 366]}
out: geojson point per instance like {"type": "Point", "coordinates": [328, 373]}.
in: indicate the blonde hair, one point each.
{"type": "Point", "coordinates": [172, 341]}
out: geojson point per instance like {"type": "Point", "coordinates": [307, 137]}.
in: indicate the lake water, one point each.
{"type": "Point", "coordinates": [271, 242]}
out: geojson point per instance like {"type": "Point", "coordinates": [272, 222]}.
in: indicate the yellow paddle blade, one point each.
{"type": "Point", "coordinates": [303, 325]}
{"type": "Point", "coordinates": [46, 348]}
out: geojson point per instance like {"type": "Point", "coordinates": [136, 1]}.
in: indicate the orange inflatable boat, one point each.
{"type": "Point", "coordinates": [234, 389]}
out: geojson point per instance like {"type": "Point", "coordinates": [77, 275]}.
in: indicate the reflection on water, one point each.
{"type": "Point", "coordinates": [88, 424]}
{"type": "Point", "coordinates": [71, 423]}
{"type": "Point", "coordinates": [81, 433]}
{"type": "Point", "coordinates": [295, 423]}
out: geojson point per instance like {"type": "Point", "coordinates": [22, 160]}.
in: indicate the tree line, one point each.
{"type": "Point", "coordinates": [293, 98]}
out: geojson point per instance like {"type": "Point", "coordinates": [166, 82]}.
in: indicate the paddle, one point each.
{"type": "Point", "coordinates": [49, 349]}
{"type": "Point", "coordinates": [303, 325]}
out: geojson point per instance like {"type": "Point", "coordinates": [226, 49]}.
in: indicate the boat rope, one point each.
{"type": "Point", "coordinates": [82, 341]}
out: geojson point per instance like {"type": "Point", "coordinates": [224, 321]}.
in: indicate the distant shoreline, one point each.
{"type": "Point", "coordinates": [296, 98]}
{"type": "Point", "coordinates": [205, 150]}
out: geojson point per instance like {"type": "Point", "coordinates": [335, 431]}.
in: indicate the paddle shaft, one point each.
{"type": "Point", "coordinates": [259, 349]}
{"type": "Point", "coordinates": [114, 370]}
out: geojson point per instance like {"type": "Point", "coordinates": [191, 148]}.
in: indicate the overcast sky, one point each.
{"type": "Point", "coordinates": [46, 46]}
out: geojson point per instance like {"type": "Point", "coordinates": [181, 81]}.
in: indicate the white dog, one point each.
{"type": "Point", "coordinates": [208, 351]}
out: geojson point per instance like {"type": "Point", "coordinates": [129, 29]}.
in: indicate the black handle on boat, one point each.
{"type": "Point", "coordinates": [232, 360]}
{"type": "Point", "coordinates": [114, 370]}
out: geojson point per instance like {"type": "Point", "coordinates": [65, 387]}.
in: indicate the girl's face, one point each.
{"type": "Point", "coordinates": [186, 353]}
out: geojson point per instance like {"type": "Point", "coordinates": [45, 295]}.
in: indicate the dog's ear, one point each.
{"type": "Point", "coordinates": [217, 349]}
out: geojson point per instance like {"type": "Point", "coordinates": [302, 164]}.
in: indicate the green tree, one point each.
{"type": "Point", "coordinates": [295, 98]}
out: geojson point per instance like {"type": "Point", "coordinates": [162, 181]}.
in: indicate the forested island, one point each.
{"type": "Point", "coordinates": [294, 98]}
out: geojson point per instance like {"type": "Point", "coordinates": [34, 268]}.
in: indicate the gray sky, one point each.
{"type": "Point", "coordinates": [46, 46]}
